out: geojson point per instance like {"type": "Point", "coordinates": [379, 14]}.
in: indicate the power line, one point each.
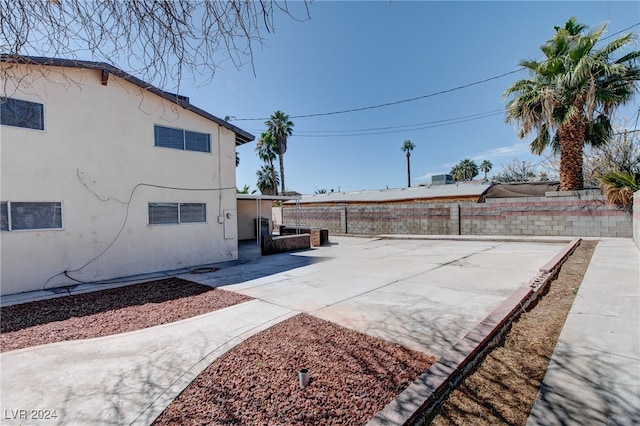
{"type": "Point", "coordinates": [429, 95]}
{"type": "Point", "coordinates": [464, 86]}
{"type": "Point", "coordinates": [405, 126]}
{"type": "Point", "coordinates": [395, 129]}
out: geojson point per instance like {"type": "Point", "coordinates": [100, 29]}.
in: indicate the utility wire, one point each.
{"type": "Point", "coordinates": [429, 95]}
{"type": "Point", "coordinates": [400, 127]}
{"type": "Point", "coordinates": [429, 126]}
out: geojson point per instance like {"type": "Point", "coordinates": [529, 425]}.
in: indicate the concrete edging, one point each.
{"type": "Point", "coordinates": [418, 403]}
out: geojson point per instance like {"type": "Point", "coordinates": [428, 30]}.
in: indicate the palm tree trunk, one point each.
{"type": "Point", "coordinates": [274, 183]}
{"type": "Point", "coordinates": [571, 155]}
{"type": "Point", "coordinates": [408, 170]}
{"type": "Point", "coordinates": [281, 173]}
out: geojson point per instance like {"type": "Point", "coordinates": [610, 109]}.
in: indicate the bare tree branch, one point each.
{"type": "Point", "coordinates": [162, 42]}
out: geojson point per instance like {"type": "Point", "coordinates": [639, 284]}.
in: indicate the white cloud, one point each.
{"type": "Point", "coordinates": [493, 155]}
{"type": "Point", "coordinates": [502, 151]}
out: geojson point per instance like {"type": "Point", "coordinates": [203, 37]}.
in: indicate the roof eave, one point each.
{"type": "Point", "coordinates": [242, 136]}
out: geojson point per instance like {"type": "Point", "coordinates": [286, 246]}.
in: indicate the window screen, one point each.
{"type": "Point", "coordinates": [4, 217]}
{"type": "Point", "coordinates": [18, 113]}
{"type": "Point", "coordinates": [193, 212]}
{"type": "Point", "coordinates": [162, 213]}
{"type": "Point", "coordinates": [34, 216]}
{"type": "Point", "coordinates": [196, 142]}
{"type": "Point", "coordinates": [174, 213]}
{"type": "Point", "coordinates": [168, 137]}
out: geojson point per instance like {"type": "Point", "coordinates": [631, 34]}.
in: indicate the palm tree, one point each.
{"type": "Point", "coordinates": [466, 169]}
{"type": "Point", "coordinates": [619, 186]}
{"type": "Point", "coordinates": [267, 150]}
{"type": "Point", "coordinates": [407, 147]}
{"type": "Point", "coordinates": [237, 159]}
{"type": "Point", "coordinates": [245, 190]}
{"type": "Point", "coordinates": [281, 128]}
{"type": "Point", "coordinates": [266, 183]}
{"type": "Point", "coordinates": [571, 94]}
{"type": "Point", "coordinates": [456, 172]}
{"type": "Point", "coordinates": [486, 167]}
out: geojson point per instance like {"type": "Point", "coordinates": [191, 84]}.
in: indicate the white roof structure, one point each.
{"type": "Point", "coordinates": [398, 194]}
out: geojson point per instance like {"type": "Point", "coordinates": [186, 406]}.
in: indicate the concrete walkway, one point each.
{"type": "Point", "coordinates": [594, 373]}
{"type": "Point", "coordinates": [126, 378]}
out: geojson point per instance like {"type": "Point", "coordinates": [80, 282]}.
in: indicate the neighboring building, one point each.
{"type": "Point", "coordinates": [106, 176]}
{"type": "Point", "coordinates": [415, 210]}
{"type": "Point", "coordinates": [516, 209]}
{"type": "Point", "coordinates": [253, 206]}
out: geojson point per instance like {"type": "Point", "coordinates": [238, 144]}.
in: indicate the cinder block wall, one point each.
{"type": "Point", "coordinates": [570, 213]}
{"type": "Point", "coordinates": [636, 218]}
{"type": "Point", "coordinates": [582, 213]}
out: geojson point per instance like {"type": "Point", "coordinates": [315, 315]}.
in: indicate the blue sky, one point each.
{"type": "Point", "coordinates": [356, 54]}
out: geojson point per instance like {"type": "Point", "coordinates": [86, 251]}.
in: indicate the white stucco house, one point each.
{"type": "Point", "coordinates": [106, 176]}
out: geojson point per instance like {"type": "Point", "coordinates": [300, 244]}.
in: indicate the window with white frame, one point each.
{"type": "Point", "coordinates": [175, 213]}
{"type": "Point", "coordinates": [19, 113]}
{"type": "Point", "coordinates": [19, 216]}
{"type": "Point", "coordinates": [186, 140]}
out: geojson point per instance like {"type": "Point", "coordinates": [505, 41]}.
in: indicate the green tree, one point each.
{"type": "Point", "coordinates": [266, 183]}
{"type": "Point", "coordinates": [281, 128]}
{"type": "Point", "coordinates": [486, 167]}
{"type": "Point", "coordinates": [245, 190]}
{"type": "Point", "coordinates": [570, 96]}
{"type": "Point", "coordinates": [267, 150]}
{"type": "Point", "coordinates": [320, 191]}
{"type": "Point", "coordinates": [407, 147]}
{"type": "Point", "coordinates": [237, 159]}
{"type": "Point", "coordinates": [466, 169]}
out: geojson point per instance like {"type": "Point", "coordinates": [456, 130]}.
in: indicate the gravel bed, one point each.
{"type": "Point", "coordinates": [256, 383]}
{"type": "Point", "coordinates": [105, 312]}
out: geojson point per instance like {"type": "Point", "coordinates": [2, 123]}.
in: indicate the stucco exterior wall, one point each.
{"type": "Point", "coordinates": [96, 155]}
{"type": "Point", "coordinates": [247, 213]}
{"type": "Point", "coordinates": [585, 214]}
{"type": "Point", "coordinates": [636, 218]}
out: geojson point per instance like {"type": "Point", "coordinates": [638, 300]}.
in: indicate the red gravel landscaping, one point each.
{"type": "Point", "coordinates": [353, 376]}
{"type": "Point", "coordinates": [105, 312]}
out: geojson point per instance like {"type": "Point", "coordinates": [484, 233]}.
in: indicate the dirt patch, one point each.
{"type": "Point", "coordinates": [503, 388]}
{"type": "Point", "coordinates": [352, 377]}
{"type": "Point", "coordinates": [112, 311]}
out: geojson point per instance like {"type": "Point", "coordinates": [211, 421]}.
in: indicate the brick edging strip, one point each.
{"type": "Point", "coordinates": [419, 403]}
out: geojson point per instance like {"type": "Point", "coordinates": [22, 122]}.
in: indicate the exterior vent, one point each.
{"type": "Point", "coordinates": [441, 179]}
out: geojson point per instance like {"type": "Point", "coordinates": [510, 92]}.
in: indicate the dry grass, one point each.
{"type": "Point", "coordinates": [502, 390]}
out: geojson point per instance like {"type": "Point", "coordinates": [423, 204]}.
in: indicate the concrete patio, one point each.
{"type": "Point", "coordinates": [424, 294]}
